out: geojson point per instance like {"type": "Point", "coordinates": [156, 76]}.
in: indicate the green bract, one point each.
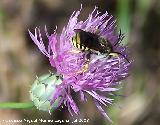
{"type": "Point", "coordinates": [42, 90]}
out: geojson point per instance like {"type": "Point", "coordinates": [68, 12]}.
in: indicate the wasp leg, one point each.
{"type": "Point", "coordinates": [88, 56]}
{"type": "Point", "coordinates": [74, 51]}
{"type": "Point", "coordinates": [86, 66]}
{"type": "Point", "coordinates": [84, 69]}
{"type": "Point", "coordinates": [116, 55]}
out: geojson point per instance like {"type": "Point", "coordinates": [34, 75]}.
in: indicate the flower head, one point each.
{"type": "Point", "coordinates": [96, 77]}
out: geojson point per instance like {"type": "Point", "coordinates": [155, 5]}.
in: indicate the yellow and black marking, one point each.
{"type": "Point", "coordinates": [77, 42]}
{"type": "Point", "coordinates": [86, 41]}
{"type": "Point", "coordinates": [92, 43]}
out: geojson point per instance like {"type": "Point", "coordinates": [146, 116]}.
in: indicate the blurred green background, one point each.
{"type": "Point", "coordinates": [21, 61]}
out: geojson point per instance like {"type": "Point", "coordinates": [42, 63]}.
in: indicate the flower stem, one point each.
{"type": "Point", "coordinates": [16, 105]}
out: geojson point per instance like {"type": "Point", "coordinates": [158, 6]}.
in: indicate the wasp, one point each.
{"type": "Point", "coordinates": [87, 41]}
{"type": "Point", "coordinates": [92, 43]}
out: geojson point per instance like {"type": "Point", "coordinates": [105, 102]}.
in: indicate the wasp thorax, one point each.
{"type": "Point", "coordinates": [106, 46]}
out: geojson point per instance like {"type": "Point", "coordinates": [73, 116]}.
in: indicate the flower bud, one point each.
{"type": "Point", "coordinates": [42, 90]}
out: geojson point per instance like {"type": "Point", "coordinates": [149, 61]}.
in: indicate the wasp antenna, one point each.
{"type": "Point", "coordinates": [123, 56]}
{"type": "Point", "coordinates": [120, 37]}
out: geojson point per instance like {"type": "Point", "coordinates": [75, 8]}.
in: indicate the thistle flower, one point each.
{"type": "Point", "coordinates": [102, 74]}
